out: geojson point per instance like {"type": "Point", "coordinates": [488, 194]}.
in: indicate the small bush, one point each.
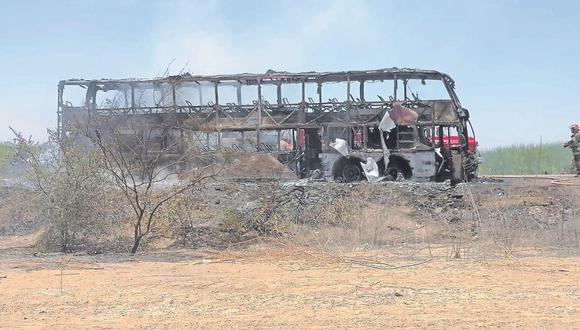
{"type": "Point", "coordinates": [234, 224]}
{"type": "Point", "coordinates": [80, 209]}
{"type": "Point", "coordinates": [19, 213]}
{"type": "Point", "coordinates": [7, 152]}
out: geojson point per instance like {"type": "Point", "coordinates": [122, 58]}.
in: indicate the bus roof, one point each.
{"type": "Point", "coordinates": [275, 77]}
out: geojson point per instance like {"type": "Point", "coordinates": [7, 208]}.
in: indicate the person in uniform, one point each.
{"type": "Point", "coordinates": [574, 144]}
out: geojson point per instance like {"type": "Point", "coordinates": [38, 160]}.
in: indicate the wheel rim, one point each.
{"type": "Point", "coordinates": [351, 173]}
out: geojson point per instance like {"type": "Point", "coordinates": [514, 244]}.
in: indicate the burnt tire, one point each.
{"type": "Point", "coordinates": [352, 172]}
{"type": "Point", "coordinates": [397, 165]}
{"type": "Point", "coordinates": [392, 173]}
{"type": "Point", "coordinates": [394, 170]}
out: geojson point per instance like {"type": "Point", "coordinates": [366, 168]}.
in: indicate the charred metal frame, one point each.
{"type": "Point", "coordinates": [259, 115]}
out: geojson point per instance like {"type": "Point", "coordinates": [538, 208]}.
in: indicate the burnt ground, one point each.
{"type": "Point", "coordinates": [502, 212]}
{"type": "Point", "coordinates": [268, 253]}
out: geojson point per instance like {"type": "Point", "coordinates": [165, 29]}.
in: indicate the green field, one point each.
{"type": "Point", "coordinates": [549, 158]}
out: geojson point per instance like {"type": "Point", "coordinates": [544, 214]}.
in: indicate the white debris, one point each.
{"type": "Point", "coordinates": [340, 146]}
{"type": "Point", "coordinates": [386, 123]}
{"type": "Point", "coordinates": [371, 170]}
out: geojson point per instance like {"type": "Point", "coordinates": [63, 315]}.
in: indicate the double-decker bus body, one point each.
{"type": "Point", "coordinates": [297, 117]}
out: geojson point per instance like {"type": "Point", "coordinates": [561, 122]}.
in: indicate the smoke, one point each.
{"type": "Point", "coordinates": [205, 37]}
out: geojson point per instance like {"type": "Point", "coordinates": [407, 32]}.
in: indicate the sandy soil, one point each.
{"type": "Point", "coordinates": [279, 288]}
{"type": "Point", "coordinates": [290, 286]}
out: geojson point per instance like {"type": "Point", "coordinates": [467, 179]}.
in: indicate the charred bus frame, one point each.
{"type": "Point", "coordinates": [438, 145]}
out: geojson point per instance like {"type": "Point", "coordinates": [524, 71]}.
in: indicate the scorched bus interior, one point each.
{"type": "Point", "coordinates": [408, 121]}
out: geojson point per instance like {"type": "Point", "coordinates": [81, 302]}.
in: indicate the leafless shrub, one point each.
{"type": "Point", "coordinates": [567, 232]}
{"type": "Point", "coordinates": [180, 218]}
{"type": "Point", "coordinates": [337, 212]}
{"type": "Point", "coordinates": [266, 216]}
{"type": "Point", "coordinates": [148, 165]}
{"type": "Point", "coordinates": [513, 221]}
{"type": "Point", "coordinates": [458, 231]}
{"type": "Point", "coordinates": [270, 211]}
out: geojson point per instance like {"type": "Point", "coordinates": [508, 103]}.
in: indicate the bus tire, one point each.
{"type": "Point", "coordinates": [348, 170]}
{"type": "Point", "coordinates": [352, 172]}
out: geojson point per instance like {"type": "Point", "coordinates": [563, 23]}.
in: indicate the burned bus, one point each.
{"type": "Point", "coordinates": [406, 122]}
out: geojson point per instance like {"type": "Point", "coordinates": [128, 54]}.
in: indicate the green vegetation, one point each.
{"type": "Point", "coordinates": [549, 158]}
{"type": "Point", "coordinates": [6, 154]}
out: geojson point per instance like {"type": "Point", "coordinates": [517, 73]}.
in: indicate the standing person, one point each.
{"type": "Point", "coordinates": [285, 145]}
{"type": "Point", "coordinates": [574, 144]}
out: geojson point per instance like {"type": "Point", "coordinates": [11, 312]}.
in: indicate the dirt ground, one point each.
{"type": "Point", "coordinates": [279, 287]}
{"type": "Point", "coordinates": [283, 284]}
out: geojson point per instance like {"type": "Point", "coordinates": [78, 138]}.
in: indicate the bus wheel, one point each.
{"type": "Point", "coordinates": [351, 172]}
{"type": "Point", "coordinates": [394, 170]}
{"type": "Point", "coordinates": [392, 173]}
